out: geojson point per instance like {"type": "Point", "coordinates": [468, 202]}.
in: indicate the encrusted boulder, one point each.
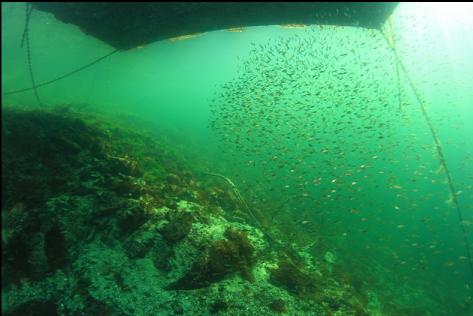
{"type": "Point", "coordinates": [235, 254]}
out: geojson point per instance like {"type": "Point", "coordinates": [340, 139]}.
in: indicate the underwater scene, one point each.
{"type": "Point", "coordinates": [263, 170]}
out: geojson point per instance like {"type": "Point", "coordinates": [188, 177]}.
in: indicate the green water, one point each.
{"type": "Point", "coordinates": [334, 157]}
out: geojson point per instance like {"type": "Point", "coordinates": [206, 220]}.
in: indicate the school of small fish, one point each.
{"type": "Point", "coordinates": [320, 114]}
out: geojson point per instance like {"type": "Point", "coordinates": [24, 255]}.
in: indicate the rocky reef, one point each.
{"type": "Point", "coordinates": [98, 219]}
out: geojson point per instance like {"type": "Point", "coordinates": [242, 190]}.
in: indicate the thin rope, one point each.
{"type": "Point", "coordinates": [26, 39]}
{"type": "Point", "coordinates": [63, 76]}
{"type": "Point", "coordinates": [238, 195]}
{"type": "Point", "coordinates": [439, 152]}
{"type": "Point", "coordinates": [397, 65]}
{"type": "Point", "coordinates": [29, 9]}
{"type": "Point", "coordinates": [242, 201]}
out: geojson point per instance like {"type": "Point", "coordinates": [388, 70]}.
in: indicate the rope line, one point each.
{"type": "Point", "coordinates": [397, 65]}
{"type": "Point", "coordinates": [63, 76]}
{"type": "Point", "coordinates": [29, 9]}
{"type": "Point", "coordinates": [439, 152]}
{"type": "Point", "coordinates": [26, 39]}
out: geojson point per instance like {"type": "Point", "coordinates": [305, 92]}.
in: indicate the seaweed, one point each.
{"type": "Point", "coordinates": [293, 279]}
{"type": "Point", "coordinates": [180, 224]}
{"type": "Point", "coordinates": [278, 305]}
{"type": "Point", "coordinates": [220, 259]}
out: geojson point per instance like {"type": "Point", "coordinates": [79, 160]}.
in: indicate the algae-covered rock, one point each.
{"type": "Point", "coordinates": [112, 225]}
{"type": "Point", "coordinates": [219, 259]}
{"type": "Point", "coordinates": [278, 306]}
{"type": "Point", "coordinates": [293, 279]}
{"type": "Point", "coordinates": [140, 243]}
{"type": "Point", "coordinates": [179, 225]}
